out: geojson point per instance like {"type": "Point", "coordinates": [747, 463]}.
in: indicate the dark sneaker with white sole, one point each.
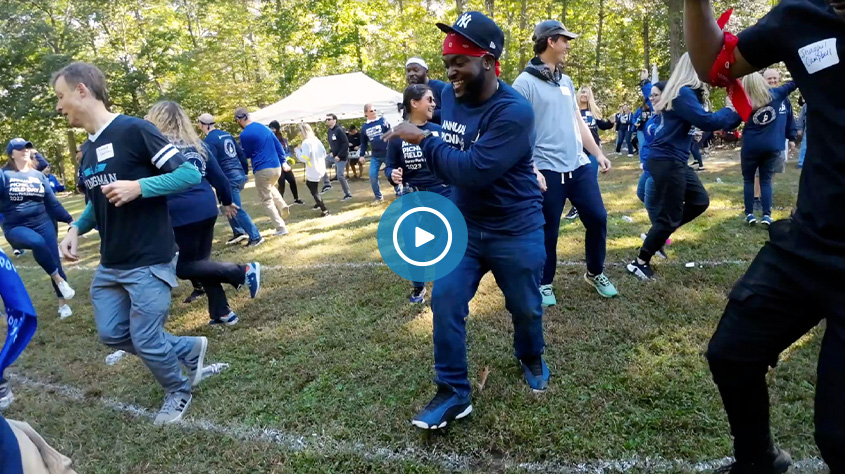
{"type": "Point", "coordinates": [572, 214]}
{"type": "Point", "coordinates": [778, 465]}
{"type": "Point", "coordinates": [766, 220]}
{"type": "Point", "coordinates": [417, 295]}
{"type": "Point", "coordinates": [237, 239]}
{"type": "Point", "coordinates": [195, 294]}
{"type": "Point", "coordinates": [446, 407]}
{"type": "Point", "coordinates": [642, 271]}
{"type": "Point", "coordinates": [229, 320]}
{"type": "Point", "coordinates": [174, 408]}
{"type": "Point", "coordinates": [536, 373]}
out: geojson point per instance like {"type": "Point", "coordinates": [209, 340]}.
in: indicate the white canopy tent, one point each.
{"type": "Point", "coordinates": [343, 95]}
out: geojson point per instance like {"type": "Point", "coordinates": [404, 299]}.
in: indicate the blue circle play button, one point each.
{"type": "Point", "coordinates": [422, 236]}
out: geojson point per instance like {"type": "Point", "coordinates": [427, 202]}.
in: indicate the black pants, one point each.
{"type": "Point", "coordinates": [290, 178]}
{"type": "Point", "coordinates": [194, 241]}
{"type": "Point", "coordinates": [695, 149]}
{"type": "Point", "coordinates": [778, 300]}
{"type": "Point", "coordinates": [312, 186]}
{"type": "Point", "coordinates": [680, 197]}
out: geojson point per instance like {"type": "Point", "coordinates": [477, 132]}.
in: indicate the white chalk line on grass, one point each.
{"type": "Point", "coordinates": [355, 265]}
{"type": "Point", "coordinates": [324, 446]}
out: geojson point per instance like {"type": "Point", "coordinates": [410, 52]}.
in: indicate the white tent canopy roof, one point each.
{"type": "Point", "coordinates": [343, 95]}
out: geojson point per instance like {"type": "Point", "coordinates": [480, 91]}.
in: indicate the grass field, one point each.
{"type": "Point", "coordinates": [330, 362]}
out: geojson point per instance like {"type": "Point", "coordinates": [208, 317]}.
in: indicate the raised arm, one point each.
{"type": "Point", "coordinates": [704, 40]}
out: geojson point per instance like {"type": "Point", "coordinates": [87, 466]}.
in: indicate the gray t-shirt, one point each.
{"type": "Point", "coordinates": [557, 145]}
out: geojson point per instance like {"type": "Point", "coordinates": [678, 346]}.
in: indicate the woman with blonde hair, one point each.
{"type": "Point", "coordinates": [313, 154]}
{"type": "Point", "coordinates": [193, 213]}
{"type": "Point", "coordinates": [679, 195]}
{"type": "Point", "coordinates": [762, 142]}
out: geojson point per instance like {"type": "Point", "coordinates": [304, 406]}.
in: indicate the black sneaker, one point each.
{"type": "Point", "coordinates": [197, 293]}
{"type": "Point", "coordinates": [778, 465]}
{"type": "Point", "coordinates": [298, 201]}
{"type": "Point", "coordinates": [417, 295]}
{"type": "Point", "coordinates": [229, 320]}
{"type": "Point", "coordinates": [325, 213]}
{"type": "Point", "coordinates": [573, 214]}
{"type": "Point", "coordinates": [315, 206]}
{"type": "Point", "coordinates": [237, 239]}
{"type": "Point", "coordinates": [256, 242]}
{"type": "Point", "coordinates": [642, 271]}
{"type": "Point", "coordinates": [446, 407]}
{"type": "Point", "coordinates": [325, 189]}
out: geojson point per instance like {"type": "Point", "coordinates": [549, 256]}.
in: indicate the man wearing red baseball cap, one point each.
{"type": "Point", "coordinates": [484, 152]}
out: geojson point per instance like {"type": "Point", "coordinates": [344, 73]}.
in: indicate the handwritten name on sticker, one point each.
{"type": "Point", "coordinates": [819, 55]}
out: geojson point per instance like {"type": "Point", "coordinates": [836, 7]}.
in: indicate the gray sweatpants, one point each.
{"type": "Point", "coordinates": [130, 307]}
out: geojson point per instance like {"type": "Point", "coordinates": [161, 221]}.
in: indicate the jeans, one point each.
{"type": "Point", "coordinates": [582, 189]}
{"type": "Point", "coordinates": [130, 307]}
{"type": "Point", "coordinates": [803, 151]}
{"type": "Point", "coordinates": [40, 237]}
{"type": "Point", "coordinates": [241, 223]}
{"type": "Point", "coordinates": [517, 263]}
{"type": "Point", "coordinates": [443, 190]}
{"type": "Point", "coordinates": [265, 183]}
{"type": "Point", "coordinates": [640, 139]}
{"type": "Point", "coordinates": [646, 194]}
{"type": "Point", "coordinates": [679, 198]}
{"type": "Point", "coordinates": [340, 168]}
{"type": "Point", "coordinates": [312, 188]}
{"type": "Point", "coordinates": [624, 135]}
{"type": "Point", "coordinates": [375, 166]}
{"type": "Point", "coordinates": [779, 299]}
{"type": "Point", "coordinates": [766, 164]}
{"type": "Point", "coordinates": [195, 264]}
{"type": "Point", "coordinates": [695, 149]}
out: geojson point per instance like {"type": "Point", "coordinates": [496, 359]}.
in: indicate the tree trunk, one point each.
{"type": "Point", "coordinates": [646, 48]}
{"type": "Point", "coordinates": [71, 146]}
{"type": "Point", "coordinates": [563, 11]}
{"type": "Point", "coordinates": [489, 5]}
{"type": "Point", "coordinates": [523, 24]}
{"type": "Point", "coordinates": [459, 4]}
{"type": "Point", "coordinates": [598, 37]}
{"type": "Point", "coordinates": [676, 31]}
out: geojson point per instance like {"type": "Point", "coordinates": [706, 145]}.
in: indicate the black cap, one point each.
{"type": "Point", "coordinates": [549, 28]}
{"type": "Point", "coordinates": [481, 30]}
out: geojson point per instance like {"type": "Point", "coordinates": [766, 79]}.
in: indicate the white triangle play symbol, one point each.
{"type": "Point", "coordinates": [421, 237]}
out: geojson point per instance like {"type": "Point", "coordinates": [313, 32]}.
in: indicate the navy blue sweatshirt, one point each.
{"type": "Point", "coordinates": [672, 139]}
{"type": "Point", "coordinates": [436, 89]}
{"type": "Point", "coordinates": [767, 129]}
{"type": "Point", "coordinates": [198, 203]}
{"type": "Point", "coordinates": [371, 133]}
{"type": "Point", "coordinates": [26, 198]}
{"type": "Point", "coordinates": [409, 157]}
{"type": "Point", "coordinates": [338, 143]}
{"type": "Point", "coordinates": [485, 153]}
{"type": "Point", "coordinates": [623, 121]}
{"type": "Point", "coordinates": [230, 155]}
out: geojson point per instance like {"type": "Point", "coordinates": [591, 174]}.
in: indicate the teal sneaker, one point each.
{"type": "Point", "coordinates": [602, 285]}
{"type": "Point", "coordinates": [548, 295]}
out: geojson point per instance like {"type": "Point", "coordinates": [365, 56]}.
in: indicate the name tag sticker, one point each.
{"type": "Point", "coordinates": [105, 152]}
{"type": "Point", "coordinates": [819, 55]}
{"type": "Point", "coordinates": [565, 91]}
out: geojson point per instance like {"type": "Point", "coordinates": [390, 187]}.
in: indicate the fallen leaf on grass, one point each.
{"type": "Point", "coordinates": [482, 379]}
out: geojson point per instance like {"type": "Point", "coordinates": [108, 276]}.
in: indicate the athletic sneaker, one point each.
{"type": "Point", "coordinates": [417, 295]}
{"type": "Point", "coordinates": [630, 154]}
{"type": "Point", "coordinates": [378, 200]}
{"type": "Point", "coordinates": [193, 362]}
{"type": "Point", "coordinates": [325, 189]}
{"type": "Point", "coordinates": [65, 312]}
{"type": "Point", "coordinates": [573, 214]}
{"type": "Point", "coordinates": [298, 201]}
{"type": "Point", "coordinates": [66, 291]}
{"type": "Point", "coordinates": [196, 293]}
{"type": "Point", "coordinates": [750, 219]}
{"type": "Point", "coordinates": [281, 232]}
{"type": "Point", "coordinates": [6, 395]}
{"type": "Point", "coordinates": [229, 320]}
{"type": "Point", "coordinates": [325, 213]}
{"type": "Point", "coordinates": [701, 168]}
{"type": "Point", "coordinates": [175, 406]}
{"type": "Point", "coordinates": [536, 373]}
{"type": "Point", "coordinates": [18, 253]}
{"type": "Point", "coordinates": [255, 243]}
{"type": "Point", "coordinates": [778, 465]}
{"type": "Point", "coordinates": [548, 295]}
{"type": "Point", "coordinates": [237, 239]}
{"type": "Point", "coordinates": [253, 278]}
{"type": "Point", "coordinates": [346, 198]}
{"type": "Point", "coordinates": [766, 220]}
{"type": "Point", "coordinates": [445, 407]}
{"type": "Point", "coordinates": [315, 206]}
{"type": "Point", "coordinates": [602, 285]}
{"type": "Point", "coordinates": [642, 271]}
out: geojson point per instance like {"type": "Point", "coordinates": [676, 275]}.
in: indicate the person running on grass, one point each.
{"type": "Point", "coordinates": [262, 147]}
{"type": "Point", "coordinates": [405, 164]}
{"type": "Point", "coordinates": [232, 160]}
{"type": "Point", "coordinates": [339, 154]}
{"type": "Point", "coordinates": [416, 72]}
{"type": "Point", "coordinates": [129, 169]}
{"type": "Point", "coordinates": [29, 208]}
{"type": "Point", "coordinates": [287, 171]}
{"type": "Point", "coordinates": [485, 155]}
{"type": "Point", "coordinates": [563, 170]}
{"type": "Point", "coordinates": [371, 137]}
{"type": "Point", "coordinates": [193, 213]}
{"type": "Point", "coordinates": [354, 138]}
{"type": "Point", "coordinates": [313, 154]}
{"type": "Point", "coordinates": [762, 143]}
{"type": "Point", "coordinates": [795, 280]}
{"type": "Point", "coordinates": [680, 196]}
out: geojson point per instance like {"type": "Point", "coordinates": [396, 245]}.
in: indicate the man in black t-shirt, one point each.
{"type": "Point", "coordinates": [354, 145]}
{"type": "Point", "coordinates": [128, 169]}
{"type": "Point", "coordinates": [795, 280]}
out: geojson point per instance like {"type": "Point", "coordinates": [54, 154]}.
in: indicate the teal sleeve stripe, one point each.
{"type": "Point", "coordinates": [183, 177]}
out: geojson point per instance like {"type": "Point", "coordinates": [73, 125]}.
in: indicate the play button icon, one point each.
{"type": "Point", "coordinates": [422, 237]}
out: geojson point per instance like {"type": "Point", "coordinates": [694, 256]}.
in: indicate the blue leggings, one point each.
{"type": "Point", "coordinates": [40, 237]}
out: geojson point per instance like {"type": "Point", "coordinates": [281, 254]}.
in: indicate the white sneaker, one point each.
{"type": "Point", "coordinates": [281, 232]}
{"type": "Point", "coordinates": [175, 406]}
{"type": "Point", "coordinates": [65, 312]}
{"type": "Point", "coordinates": [66, 291]}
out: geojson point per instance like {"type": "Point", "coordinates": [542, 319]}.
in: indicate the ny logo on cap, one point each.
{"type": "Point", "coordinates": [464, 20]}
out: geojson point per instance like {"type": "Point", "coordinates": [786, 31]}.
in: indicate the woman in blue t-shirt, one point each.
{"type": "Point", "coordinates": [680, 196]}
{"type": "Point", "coordinates": [29, 207]}
{"type": "Point", "coordinates": [193, 213]}
{"type": "Point", "coordinates": [405, 165]}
